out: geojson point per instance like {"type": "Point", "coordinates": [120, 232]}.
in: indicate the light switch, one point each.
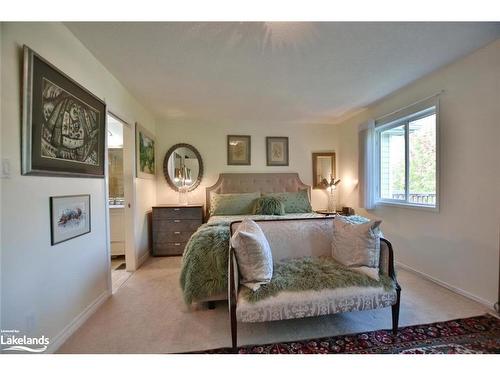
{"type": "Point", "coordinates": [5, 168]}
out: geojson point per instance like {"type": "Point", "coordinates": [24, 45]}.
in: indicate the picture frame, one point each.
{"type": "Point", "coordinates": [145, 153]}
{"type": "Point", "coordinates": [70, 217]}
{"type": "Point", "coordinates": [63, 124]}
{"type": "Point", "coordinates": [277, 151]}
{"type": "Point", "coordinates": [239, 150]}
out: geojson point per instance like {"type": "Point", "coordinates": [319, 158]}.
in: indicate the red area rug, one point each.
{"type": "Point", "coordinates": [476, 335]}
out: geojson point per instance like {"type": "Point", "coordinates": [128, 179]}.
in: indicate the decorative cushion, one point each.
{"type": "Point", "coordinates": [232, 204]}
{"type": "Point", "coordinates": [356, 245]}
{"type": "Point", "coordinates": [269, 206]}
{"type": "Point", "coordinates": [296, 202]}
{"type": "Point", "coordinates": [253, 253]}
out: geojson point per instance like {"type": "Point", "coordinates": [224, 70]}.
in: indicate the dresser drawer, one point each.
{"type": "Point", "coordinates": [173, 236]}
{"type": "Point", "coordinates": [169, 248]}
{"type": "Point", "coordinates": [176, 225]}
{"type": "Point", "coordinates": [194, 213]}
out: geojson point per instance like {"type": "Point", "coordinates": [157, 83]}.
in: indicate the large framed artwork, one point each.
{"type": "Point", "coordinates": [69, 217]}
{"type": "Point", "coordinates": [145, 152]}
{"type": "Point", "coordinates": [239, 150]}
{"type": "Point", "coordinates": [63, 123]}
{"type": "Point", "coordinates": [277, 151]}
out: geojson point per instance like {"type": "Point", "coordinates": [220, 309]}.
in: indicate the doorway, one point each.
{"type": "Point", "coordinates": [120, 210]}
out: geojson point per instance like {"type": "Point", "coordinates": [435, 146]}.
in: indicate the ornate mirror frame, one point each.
{"type": "Point", "coordinates": [165, 166]}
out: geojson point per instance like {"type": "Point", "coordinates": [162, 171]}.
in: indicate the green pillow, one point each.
{"type": "Point", "coordinates": [297, 202]}
{"type": "Point", "coordinates": [232, 204]}
{"type": "Point", "coordinates": [269, 206]}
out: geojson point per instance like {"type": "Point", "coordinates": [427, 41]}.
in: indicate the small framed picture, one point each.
{"type": "Point", "coordinates": [144, 153]}
{"type": "Point", "coordinates": [277, 151]}
{"type": "Point", "coordinates": [238, 150]}
{"type": "Point", "coordinates": [69, 217]}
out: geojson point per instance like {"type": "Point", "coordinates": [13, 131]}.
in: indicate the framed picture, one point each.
{"type": "Point", "coordinates": [69, 217]}
{"type": "Point", "coordinates": [239, 150]}
{"type": "Point", "coordinates": [63, 123]}
{"type": "Point", "coordinates": [277, 151]}
{"type": "Point", "coordinates": [145, 152]}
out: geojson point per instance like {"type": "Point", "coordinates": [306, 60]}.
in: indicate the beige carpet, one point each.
{"type": "Point", "coordinates": [147, 315]}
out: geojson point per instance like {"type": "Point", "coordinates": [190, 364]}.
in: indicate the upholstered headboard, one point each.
{"type": "Point", "coordinates": [253, 182]}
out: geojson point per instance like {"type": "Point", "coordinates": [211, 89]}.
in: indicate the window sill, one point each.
{"type": "Point", "coordinates": [408, 205]}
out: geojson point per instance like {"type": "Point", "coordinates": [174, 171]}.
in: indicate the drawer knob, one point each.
{"type": "Point", "coordinates": [176, 209]}
{"type": "Point", "coordinates": [177, 221]}
{"type": "Point", "coordinates": [177, 232]}
{"type": "Point", "coordinates": [177, 244]}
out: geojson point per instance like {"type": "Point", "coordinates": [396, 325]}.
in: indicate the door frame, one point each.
{"type": "Point", "coordinates": [128, 192]}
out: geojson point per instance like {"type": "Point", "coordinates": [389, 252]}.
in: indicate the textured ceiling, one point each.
{"type": "Point", "coordinates": [275, 72]}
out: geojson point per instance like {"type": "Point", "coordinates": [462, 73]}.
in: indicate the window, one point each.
{"type": "Point", "coordinates": [406, 165]}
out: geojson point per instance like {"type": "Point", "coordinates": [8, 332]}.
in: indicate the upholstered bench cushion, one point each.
{"type": "Point", "coordinates": [290, 305]}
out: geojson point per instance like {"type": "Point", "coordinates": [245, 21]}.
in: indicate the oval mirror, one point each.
{"type": "Point", "coordinates": [183, 167]}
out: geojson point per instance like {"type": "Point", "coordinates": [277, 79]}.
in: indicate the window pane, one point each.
{"type": "Point", "coordinates": [392, 163]}
{"type": "Point", "coordinates": [422, 150]}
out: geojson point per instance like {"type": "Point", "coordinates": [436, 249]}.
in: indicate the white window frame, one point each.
{"type": "Point", "coordinates": [404, 116]}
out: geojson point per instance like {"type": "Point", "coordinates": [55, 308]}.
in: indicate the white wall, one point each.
{"type": "Point", "coordinates": [210, 139]}
{"type": "Point", "coordinates": [459, 245]}
{"type": "Point", "coordinates": [145, 198]}
{"type": "Point", "coordinates": [45, 287]}
{"type": "Point", "coordinates": [1, 58]}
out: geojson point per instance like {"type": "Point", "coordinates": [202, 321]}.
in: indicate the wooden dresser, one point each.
{"type": "Point", "coordinates": [172, 227]}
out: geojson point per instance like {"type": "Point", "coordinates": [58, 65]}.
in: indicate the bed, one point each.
{"type": "Point", "coordinates": [205, 259]}
{"type": "Point", "coordinates": [204, 263]}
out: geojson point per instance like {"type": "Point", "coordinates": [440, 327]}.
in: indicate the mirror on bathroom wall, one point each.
{"type": "Point", "coordinates": [115, 160]}
{"type": "Point", "coordinates": [323, 168]}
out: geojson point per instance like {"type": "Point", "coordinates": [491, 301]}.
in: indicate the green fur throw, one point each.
{"type": "Point", "coordinates": [269, 206]}
{"type": "Point", "coordinates": [310, 273]}
{"type": "Point", "coordinates": [204, 263]}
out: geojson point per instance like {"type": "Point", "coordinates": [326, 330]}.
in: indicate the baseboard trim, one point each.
{"type": "Point", "coordinates": [142, 259]}
{"type": "Point", "coordinates": [76, 323]}
{"type": "Point", "coordinates": [462, 292]}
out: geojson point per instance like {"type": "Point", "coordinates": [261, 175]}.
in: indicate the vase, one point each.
{"type": "Point", "coordinates": [332, 205]}
{"type": "Point", "coordinates": [183, 196]}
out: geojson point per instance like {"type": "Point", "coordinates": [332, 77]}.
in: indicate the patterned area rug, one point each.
{"type": "Point", "coordinates": [476, 335]}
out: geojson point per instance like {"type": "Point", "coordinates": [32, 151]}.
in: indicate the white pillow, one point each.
{"type": "Point", "coordinates": [356, 245]}
{"type": "Point", "coordinates": [253, 253]}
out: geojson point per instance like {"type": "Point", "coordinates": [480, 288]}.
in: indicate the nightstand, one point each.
{"type": "Point", "coordinates": [173, 225]}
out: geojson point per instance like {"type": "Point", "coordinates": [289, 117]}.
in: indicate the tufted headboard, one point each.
{"type": "Point", "coordinates": [253, 182]}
